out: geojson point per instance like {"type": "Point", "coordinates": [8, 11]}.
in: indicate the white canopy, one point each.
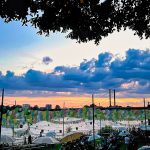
{"type": "Point", "coordinates": [124, 133]}
{"type": "Point", "coordinates": [144, 148]}
{"type": "Point", "coordinates": [45, 140]}
{"type": "Point", "coordinates": [5, 139]}
{"type": "Point", "coordinates": [142, 127]}
{"type": "Point", "coordinates": [51, 134]}
{"type": "Point", "coordinates": [91, 137]}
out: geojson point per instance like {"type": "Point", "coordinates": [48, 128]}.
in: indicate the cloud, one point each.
{"type": "Point", "coordinates": [128, 75]}
{"type": "Point", "coordinates": [104, 59]}
{"type": "Point", "coordinates": [47, 60]}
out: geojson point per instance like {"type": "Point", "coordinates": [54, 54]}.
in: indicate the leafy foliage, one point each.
{"type": "Point", "coordinates": [106, 129]}
{"type": "Point", "coordinates": [15, 118]}
{"type": "Point", "coordinates": [85, 20]}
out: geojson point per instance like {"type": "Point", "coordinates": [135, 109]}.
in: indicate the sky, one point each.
{"type": "Point", "coordinates": [47, 69]}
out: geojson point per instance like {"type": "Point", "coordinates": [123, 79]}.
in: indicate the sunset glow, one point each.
{"type": "Point", "coordinates": [73, 102]}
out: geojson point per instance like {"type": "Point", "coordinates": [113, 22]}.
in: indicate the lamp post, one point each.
{"type": "Point", "coordinates": [145, 121]}
{"type": "Point", "coordinates": [64, 119]}
{"type": "Point", "coordinates": [1, 116]}
{"type": "Point", "coordinates": [93, 120]}
{"type": "Point", "coordinates": [99, 121]}
{"type": "Point", "coordinates": [100, 125]}
{"type": "Point", "coordinates": [109, 97]}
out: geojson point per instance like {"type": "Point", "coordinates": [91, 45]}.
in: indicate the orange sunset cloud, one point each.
{"type": "Point", "coordinates": [71, 101]}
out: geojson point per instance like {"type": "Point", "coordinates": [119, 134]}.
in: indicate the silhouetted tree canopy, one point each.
{"type": "Point", "coordinates": [57, 107]}
{"type": "Point", "coordinates": [84, 20]}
